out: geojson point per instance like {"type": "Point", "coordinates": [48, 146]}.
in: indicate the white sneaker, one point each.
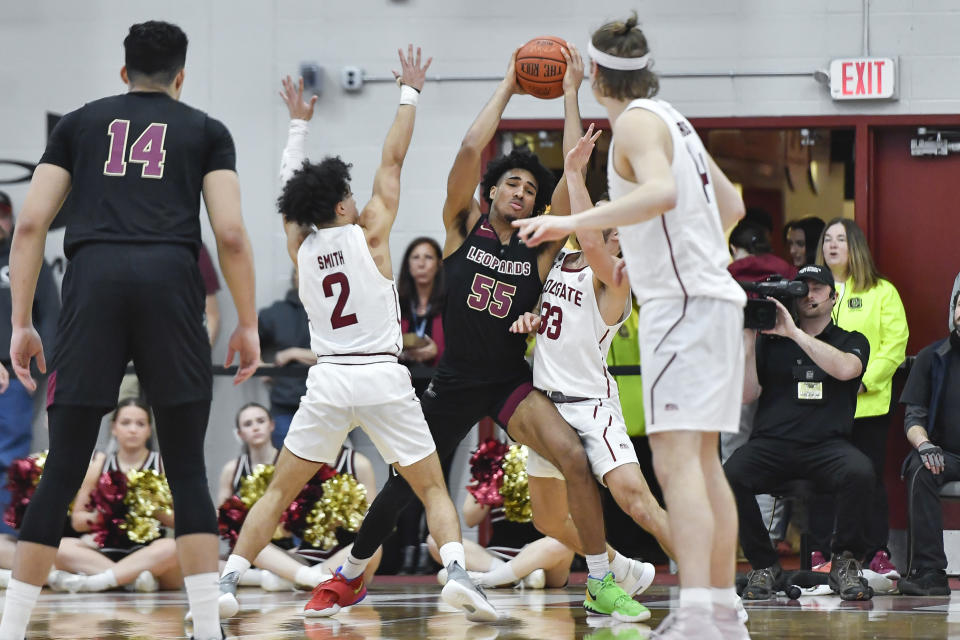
{"type": "Point", "coordinates": [5, 575]}
{"type": "Point", "coordinates": [638, 579]}
{"type": "Point", "coordinates": [64, 581]}
{"type": "Point", "coordinates": [536, 579]}
{"type": "Point", "coordinates": [270, 581]}
{"type": "Point", "coordinates": [881, 583]}
{"type": "Point", "coordinates": [146, 583]}
{"type": "Point", "coordinates": [741, 611]}
{"type": "Point", "coordinates": [460, 592]}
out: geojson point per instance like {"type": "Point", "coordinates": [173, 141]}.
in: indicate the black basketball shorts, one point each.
{"type": "Point", "coordinates": [123, 302]}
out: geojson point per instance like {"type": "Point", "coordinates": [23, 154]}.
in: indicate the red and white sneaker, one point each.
{"type": "Point", "coordinates": [881, 564]}
{"type": "Point", "coordinates": [334, 594]}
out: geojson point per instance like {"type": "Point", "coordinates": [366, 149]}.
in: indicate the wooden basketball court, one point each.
{"type": "Point", "coordinates": [407, 609]}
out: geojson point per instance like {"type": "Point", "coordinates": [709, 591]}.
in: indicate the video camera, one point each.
{"type": "Point", "coordinates": [761, 313]}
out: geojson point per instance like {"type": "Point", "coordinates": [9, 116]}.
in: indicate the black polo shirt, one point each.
{"type": "Point", "coordinates": [799, 401]}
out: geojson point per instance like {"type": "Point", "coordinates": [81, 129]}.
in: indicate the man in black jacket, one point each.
{"type": "Point", "coordinates": [932, 423]}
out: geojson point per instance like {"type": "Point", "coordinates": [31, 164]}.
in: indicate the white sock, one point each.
{"type": "Point", "coordinates": [237, 564]}
{"type": "Point", "coordinates": [499, 575]}
{"type": "Point", "coordinates": [598, 565]}
{"type": "Point", "coordinates": [5, 576]}
{"type": "Point", "coordinates": [251, 578]}
{"type": "Point", "coordinates": [17, 607]}
{"type": "Point", "coordinates": [353, 567]}
{"type": "Point", "coordinates": [453, 552]}
{"type": "Point", "coordinates": [696, 597]}
{"type": "Point", "coordinates": [725, 597]}
{"type": "Point", "coordinates": [100, 581]}
{"type": "Point", "coordinates": [203, 593]}
{"type": "Point", "coordinates": [620, 565]}
{"type": "Point", "coordinates": [494, 563]}
{"type": "Point", "coordinates": [311, 576]}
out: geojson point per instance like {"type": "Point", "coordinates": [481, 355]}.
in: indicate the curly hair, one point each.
{"type": "Point", "coordinates": [622, 38]}
{"type": "Point", "coordinates": [311, 195]}
{"type": "Point", "coordinates": [520, 158]}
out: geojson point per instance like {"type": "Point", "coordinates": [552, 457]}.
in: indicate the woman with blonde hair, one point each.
{"type": "Point", "coordinates": [869, 303]}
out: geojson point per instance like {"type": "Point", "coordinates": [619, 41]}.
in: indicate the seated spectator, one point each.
{"type": "Point", "coordinates": [932, 422]}
{"type": "Point", "coordinates": [421, 292]}
{"type": "Point", "coordinates": [285, 566]}
{"type": "Point", "coordinates": [16, 402]}
{"type": "Point", "coordinates": [516, 551]}
{"type": "Point", "coordinates": [806, 377]}
{"type": "Point", "coordinates": [752, 257]}
{"type": "Point", "coordinates": [285, 336]}
{"type": "Point", "coordinates": [146, 565]}
{"type": "Point", "coordinates": [802, 238]}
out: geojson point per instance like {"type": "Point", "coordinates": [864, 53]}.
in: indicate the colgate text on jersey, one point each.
{"type": "Point", "coordinates": [561, 290]}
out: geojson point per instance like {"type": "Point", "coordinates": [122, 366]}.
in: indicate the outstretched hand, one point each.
{"type": "Point", "coordinates": [574, 73]}
{"type": "Point", "coordinates": [534, 231]}
{"type": "Point", "coordinates": [578, 157]}
{"type": "Point", "coordinates": [411, 72]}
{"type": "Point", "coordinates": [292, 95]}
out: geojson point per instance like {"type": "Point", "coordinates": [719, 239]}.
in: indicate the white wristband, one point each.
{"type": "Point", "coordinates": [409, 95]}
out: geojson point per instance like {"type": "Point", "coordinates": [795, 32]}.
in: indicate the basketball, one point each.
{"type": "Point", "coordinates": [540, 67]}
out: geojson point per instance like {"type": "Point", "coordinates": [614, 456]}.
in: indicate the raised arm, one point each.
{"type": "Point", "coordinates": [221, 193]}
{"type": "Point", "coordinates": [301, 111]}
{"type": "Point", "coordinates": [460, 209]}
{"type": "Point", "coordinates": [378, 216]}
{"type": "Point", "coordinates": [572, 124]}
{"type": "Point", "coordinates": [644, 140]}
{"type": "Point", "coordinates": [48, 188]}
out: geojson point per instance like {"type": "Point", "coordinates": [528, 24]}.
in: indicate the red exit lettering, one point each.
{"type": "Point", "coordinates": [865, 72]}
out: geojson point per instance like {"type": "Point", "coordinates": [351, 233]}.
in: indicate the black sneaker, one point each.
{"type": "Point", "coordinates": [846, 578]}
{"type": "Point", "coordinates": [925, 582]}
{"type": "Point", "coordinates": [760, 583]}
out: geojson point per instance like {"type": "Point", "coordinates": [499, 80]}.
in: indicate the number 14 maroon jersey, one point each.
{"type": "Point", "coordinates": [137, 163]}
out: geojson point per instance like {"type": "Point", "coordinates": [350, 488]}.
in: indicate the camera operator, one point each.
{"type": "Point", "coordinates": [806, 375]}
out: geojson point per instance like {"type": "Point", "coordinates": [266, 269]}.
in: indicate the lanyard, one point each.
{"type": "Point", "coordinates": [419, 323]}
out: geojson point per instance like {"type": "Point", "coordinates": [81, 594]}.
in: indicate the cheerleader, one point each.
{"type": "Point", "coordinates": [516, 551]}
{"type": "Point", "coordinates": [285, 566]}
{"type": "Point", "coordinates": [146, 566]}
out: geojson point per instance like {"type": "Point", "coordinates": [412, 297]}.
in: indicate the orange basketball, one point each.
{"type": "Point", "coordinates": [540, 67]}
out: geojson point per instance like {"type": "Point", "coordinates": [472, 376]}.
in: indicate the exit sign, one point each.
{"type": "Point", "coordinates": [863, 78]}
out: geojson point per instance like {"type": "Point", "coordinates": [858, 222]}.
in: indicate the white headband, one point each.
{"type": "Point", "coordinates": [615, 62]}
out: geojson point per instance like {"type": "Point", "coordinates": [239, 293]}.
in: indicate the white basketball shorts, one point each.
{"type": "Point", "coordinates": [378, 398]}
{"type": "Point", "coordinates": [603, 433]}
{"type": "Point", "coordinates": [692, 359]}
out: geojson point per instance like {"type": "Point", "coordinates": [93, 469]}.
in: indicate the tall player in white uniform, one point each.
{"type": "Point", "coordinates": [346, 285]}
{"type": "Point", "coordinates": [671, 203]}
{"type": "Point", "coordinates": [581, 310]}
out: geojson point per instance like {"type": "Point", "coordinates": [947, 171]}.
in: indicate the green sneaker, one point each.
{"type": "Point", "coordinates": [606, 598]}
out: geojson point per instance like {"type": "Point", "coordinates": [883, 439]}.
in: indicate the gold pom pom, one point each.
{"type": "Point", "coordinates": [253, 486]}
{"type": "Point", "coordinates": [515, 491]}
{"type": "Point", "coordinates": [343, 504]}
{"type": "Point", "coordinates": [147, 494]}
